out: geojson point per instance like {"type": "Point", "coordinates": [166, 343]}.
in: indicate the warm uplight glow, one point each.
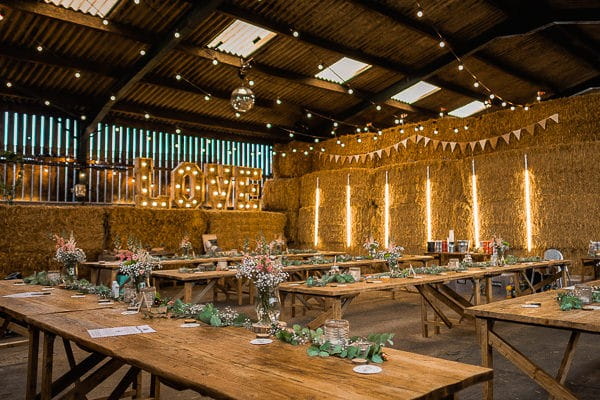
{"type": "Point", "coordinates": [386, 212]}
{"type": "Point", "coordinates": [428, 206]}
{"type": "Point", "coordinates": [475, 205]}
{"type": "Point", "coordinates": [348, 215]}
{"type": "Point", "coordinates": [527, 206]}
{"type": "Point", "coordinates": [317, 203]}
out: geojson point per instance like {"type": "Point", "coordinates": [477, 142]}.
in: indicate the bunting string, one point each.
{"type": "Point", "coordinates": [445, 145]}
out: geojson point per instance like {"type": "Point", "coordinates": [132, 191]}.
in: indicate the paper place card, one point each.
{"type": "Point", "coordinates": [194, 325]}
{"type": "Point", "coordinates": [47, 288]}
{"type": "Point", "coordinates": [19, 284]}
{"type": "Point", "coordinates": [78, 296]}
{"type": "Point", "coordinates": [119, 331]}
{"type": "Point", "coordinates": [129, 312]}
{"type": "Point", "coordinates": [530, 306]}
{"type": "Point", "coordinates": [27, 294]}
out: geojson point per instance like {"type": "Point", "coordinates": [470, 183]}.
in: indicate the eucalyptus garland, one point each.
{"type": "Point", "coordinates": [322, 348]}
{"type": "Point", "coordinates": [80, 285]}
{"type": "Point", "coordinates": [207, 313]}
{"type": "Point", "coordinates": [326, 279]}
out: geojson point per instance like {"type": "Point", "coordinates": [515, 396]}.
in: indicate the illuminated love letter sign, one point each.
{"type": "Point", "coordinates": [247, 188]}
{"type": "Point", "coordinates": [144, 185]}
{"type": "Point", "coordinates": [219, 186]}
{"type": "Point", "coordinates": [187, 185]}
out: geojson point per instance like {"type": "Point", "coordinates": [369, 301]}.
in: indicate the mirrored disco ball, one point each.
{"type": "Point", "coordinates": [242, 99]}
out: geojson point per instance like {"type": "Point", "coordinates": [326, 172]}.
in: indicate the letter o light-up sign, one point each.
{"type": "Point", "coordinates": [187, 185]}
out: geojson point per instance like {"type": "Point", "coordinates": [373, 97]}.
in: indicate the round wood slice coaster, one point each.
{"type": "Point", "coordinates": [359, 360]}
{"type": "Point", "coordinates": [262, 335]}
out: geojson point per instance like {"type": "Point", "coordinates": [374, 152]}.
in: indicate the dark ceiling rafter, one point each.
{"type": "Point", "coordinates": [70, 16]}
{"type": "Point", "coordinates": [580, 88]}
{"type": "Point", "coordinates": [29, 55]}
{"type": "Point", "coordinates": [184, 26]}
{"type": "Point", "coordinates": [424, 29]}
{"type": "Point", "coordinates": [284, 29]}
{"type": "Point", "coordinates": [62, 104]}
{"type": "Point", "coordinates": [577, 43]}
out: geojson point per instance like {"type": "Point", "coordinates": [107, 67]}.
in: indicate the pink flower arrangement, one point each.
{"type": "Point", "coordinates": [266, 272]}
{"type": "Point", "coordinates": [67, 251]}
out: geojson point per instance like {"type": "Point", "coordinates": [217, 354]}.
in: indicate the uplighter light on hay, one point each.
{"type": "Point", "coordinates": [386, 212]}
{"type": "Point", "coordinates": [527, 207]}
{"type": "Point", "coordinates": [348, 215]}
{"type": "Point", "coordinates": [428, 206]}
{"type": "Point", "coordinates": [475, 205]}
{"type": "Point", "coordinates": [317, 204]}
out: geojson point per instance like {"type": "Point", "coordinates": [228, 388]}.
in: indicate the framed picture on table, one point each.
{"type": "Point", "coordinates": [210, 243]}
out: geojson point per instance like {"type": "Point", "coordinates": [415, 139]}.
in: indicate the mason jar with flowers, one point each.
{"type": "Point", "coordinates": [69, 255]}
{"type": "Point", "coordinates": [266, 273]}
{"type": "Point", "coordinates": [187, 250]}
{"type": "Point", "coordinates": [138, 268]}
{"type": "Point", "coordinates": [372, 247]}
{"type": "Point", "coordinates": [499, 248]}
{"type": "Point", "coordinates": [392, 255]}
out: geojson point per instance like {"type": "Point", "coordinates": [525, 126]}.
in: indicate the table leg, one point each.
{"type": "Point", "coordinates": [488, 289]}
{"type": "Point", "coordinates": [487, 357]}
{"type": "Point", "coordinates": [336, 308]}
{"type": "Point", "coordinates": [94, 273]}
{"type": "Point", "coordinates": [47, 358]}
{"type": "Point", "coordinates": [137, 386]}
{"type": "Point", "coordinates": [516, 283]}
{"type": "Point", "coordinates": [113, 275]}
{"type": "Point", "coordinates": [424, 326]}
{"type": "Point", "coordinates": [239, 290]}
{"type": "Point", "coordinates": [477, 291]}
{"type": "Point", "coordinates": [187, 291]}
{"type": "Point", "coordinates": [32, 363]}
{"type": "Point", "coordinates": [565, 276]}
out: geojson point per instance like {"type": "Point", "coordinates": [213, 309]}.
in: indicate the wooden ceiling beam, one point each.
{"type": "Point", "coordinates": [91, 22]}
{"type": "Point", "coordinates": [184, 26]}
{"type": "Point", "coordinates": [246, 128]}
{"type": "Point", "coordinates": [579, 88]}
{"type": "Point", "coordinates": [425, 29]}
{"type": "Point", "coordinates": [78, 18]}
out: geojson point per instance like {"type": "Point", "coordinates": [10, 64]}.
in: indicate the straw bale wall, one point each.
{"type": "Point", "coordinates": [26, 230]}
{"type": "Point", "coordinates": [564, 168]}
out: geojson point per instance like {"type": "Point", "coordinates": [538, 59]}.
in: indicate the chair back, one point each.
{"type": "Point", "coordinates": [553, 254]}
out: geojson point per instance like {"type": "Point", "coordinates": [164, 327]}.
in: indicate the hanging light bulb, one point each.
{"type": "Point", "coordinates": [503, 104]}
{"type": "Point", "coordinates": [278, 101]}
{"type": "Point", "coordinates": [335, 124]}
{"type": "Point", "coordinates": [308, 115]}
{"type": "Point", "coordinates": [291, 134]}
{"type": "Point", "coordinates": [320, 66]}
{"type": "Point", "coordinates": [269, 125]}
{"type": "Point", "coordinates": [40, 49]}
{"type": "Point", "coordinates": [442, 43]}
{"type": "Point", "coordinates": [420, 12]}
{"type": "Point", "coordinates": [215, 61]}
{"type": "Point", "coordinates": [378, 107]}
{"type": "Point", "coordinates": [295, 34]}
{"type": "Point", "coordinates": [461, 67]}
{"type": "Point", "coordinates": [476, 84]}
{"type": "Point", "coordinates": [316, 140]}
{"type": "Point", "coordinates": [350, 91]}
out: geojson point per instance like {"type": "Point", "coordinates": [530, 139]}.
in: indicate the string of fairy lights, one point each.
{"type": "Point", "coordinates": [337, 125]}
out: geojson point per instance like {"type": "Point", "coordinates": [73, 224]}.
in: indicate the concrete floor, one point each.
{"type": "Point", "coordinates": [377, 312]}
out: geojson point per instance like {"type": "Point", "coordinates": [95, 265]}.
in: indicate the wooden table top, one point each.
{"type": "Point", "coordinates": [458, 253]}
{"type": "Point", "coordinates": [200, 260]}
{"type": "Point", "coordinates": [392, 283]}
{"type": "Point", "coordinates": [57, 301]}
{"type": "Point", "coordinates": [197, 276]}
{"type": "Point", "coordinates": [548, 314]}
{"type": "Point", "coordinates": [590, 258]}
{"type": "Point", "coordinates": [221, 363]}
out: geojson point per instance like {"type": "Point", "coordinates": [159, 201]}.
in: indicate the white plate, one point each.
{"type": "Point", "coordinates": [129, 312]}
{"type": "Point", "coordinates": [189, 325]}
{"type": "Point", "coordinates": [367, 369]}
{"type": "Point", "coordinates": [591, 307]}
{"type": "Point", "coordinates": [261, 341]}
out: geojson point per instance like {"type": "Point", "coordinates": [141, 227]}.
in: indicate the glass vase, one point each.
{"type": "Point", "coordinates": [268, 307]}
{"type": "Point", "coordinates": [69, 272]}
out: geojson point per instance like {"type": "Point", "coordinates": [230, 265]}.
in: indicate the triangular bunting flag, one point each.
{"type": "Point", "coordinates": [554, 118]}
{"type": "Point", "coordinates": [530, 128]}
{"type": "Point", "coordinates": [517, 134]}
{"type": "Point", "coordinates": [494, 141]}
{"type": "Point", "coordinates": [482, 143]}
{"type": "Point", "coordinates": [472, 145]}
{"type": "Point", "coordinates": [452, 146]}
{"type": "Point", "coordinates": [463, 146]}
{"type": "Point", "coordinates": [444, 145]}
{"type": "Point", "coordinates": [506, 138]}
{"type": "Point", "coordinates": [418, 138]}
{"type": "Point", "coordinates": [378, 152]}
{"type": "Point", "coordinates": [330, 157]}
{"type": "Point", "coordinates": [435, 143]}
{"type": "Point", "coordinates": [356, 157]}
{"type": "Point", "coordinates": [543, 123]}
{"type": "Point", "coordinates": [404, 142]}
{"type": "Point", "coordinates": [413, 138]}
{"type": "Point", "coordinates": [426, 141]}
{"type": "Point", "coordinates": [337, 157]}
{"type": "Point", "coordinates": [388, 150]}
{"type": "Point", "coordinates": [363, 158]}
{"type": "Point", "coordinates": [396, 146]}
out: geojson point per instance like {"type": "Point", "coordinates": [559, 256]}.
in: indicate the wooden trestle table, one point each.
{"type": "Point", "coordinates": [548, 315]}
{"type": "Point", "coordinates": [96, 267]}
{"type": "Point", "coordinates": [217, 362]}
{"type": "Point", "coordinates": [333, 300]}
{"type": "Point", "coordinates": [211, 279]}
